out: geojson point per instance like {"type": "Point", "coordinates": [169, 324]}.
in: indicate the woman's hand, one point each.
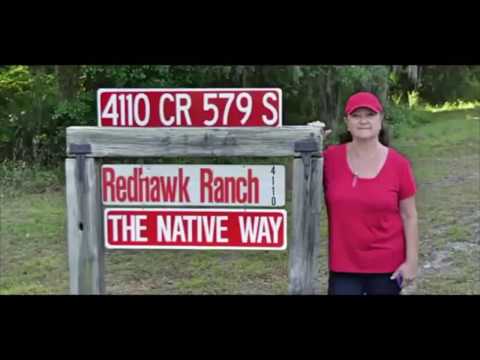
{"type": "Point", "coordinates": [408, 270]}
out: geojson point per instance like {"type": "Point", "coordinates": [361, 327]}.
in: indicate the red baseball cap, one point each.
{"type": "Point", "coordinates": [363, 99]}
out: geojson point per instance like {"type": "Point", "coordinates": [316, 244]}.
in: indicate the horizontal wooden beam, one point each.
{"type": "Point", "coordinates": [195, 142]}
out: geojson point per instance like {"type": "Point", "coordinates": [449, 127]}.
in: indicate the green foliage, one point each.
{"type": "Point", "coordinates": [362, 78]}
{"type": "Point", "coordinates": [319, 92]}
{"type": "Point", "coordinates": [98, 76]}
{"type": "Point", "coordinates": [442, 84]}
{"type": "Point", "coordinates": [25, 115]}
{"type": "Point", "coordinates": [14, 80]}
{"type": "Point", "coordinates": [78, 111]}
{"type": "Point", "coordinates": [403, 116]}
{"type": "Point", "coordinates": [38, 103]}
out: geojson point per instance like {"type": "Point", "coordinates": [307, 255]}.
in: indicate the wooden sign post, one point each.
{"type": "Point", "coordinates": [86, 146]}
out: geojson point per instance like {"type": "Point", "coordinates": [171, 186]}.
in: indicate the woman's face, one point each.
{"type": "Point", "coordinates": [364, 123]}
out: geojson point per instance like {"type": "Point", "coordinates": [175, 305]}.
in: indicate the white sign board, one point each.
{"type": "Point", "coordinates": [195, 185]}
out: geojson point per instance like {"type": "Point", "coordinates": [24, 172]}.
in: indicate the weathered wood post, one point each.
{"type": "Point", "coordinates": [84, 223]}
{"type": "Point", "coordinates": [307, 197]}
{"type": "Point", "coordinates": [84, 208]}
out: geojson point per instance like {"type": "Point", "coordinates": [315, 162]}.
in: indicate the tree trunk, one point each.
{"type": "Point", "coordinates": [330, 98]}
{"type": "Point", "coordinates": [39, 69]}
{"type": "Point", "coordinates": [68, 80]}
{"type": "Point", "coordinates": [413, 74]}
{"type": "Point", "coordinates": [383, 93]}
{"type": "Point", "coordinates": [323, 111]}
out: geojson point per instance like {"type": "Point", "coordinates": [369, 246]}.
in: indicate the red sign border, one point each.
{"type": "Point", "coordinates": [102, 90]}
{"type": "Point", "coordinates": [153, 247]}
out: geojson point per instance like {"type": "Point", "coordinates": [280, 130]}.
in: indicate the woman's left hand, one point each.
{"type": "Point", "coordinates": [408, 270]}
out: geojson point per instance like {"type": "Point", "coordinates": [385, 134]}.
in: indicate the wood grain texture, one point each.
{"type": "Point", "coordinates": [139, 142]}
{"type": "Point", "coordinates": [84, 228]}
{"type": "Point", "coordinates": [305, 245]}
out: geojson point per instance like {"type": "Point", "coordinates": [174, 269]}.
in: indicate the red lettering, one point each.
{"type": "Point", "coordinates": [121, 196]}
{"type": "Point", "coordinates": [253, 182]}
{"type": "Point", "coordinates": [108, 183]}
{"type": "Point", "coordinates": [218, 194]}
{"type": "Point", "coordinates": [168, 188]}
{"type": "Point", "coordinates": [131, 186]}
{"type": "Point", "coordinates": [241, 198]}
{"type": "Point", "coordinates": [206, 176]}
{"type": "Point", "coordinates": [139, 188]}
{"type": "Point", "coordinates": [183, 184]}
{"type": "Point", "coordinates": [143, 183]}
{"type": "Point", "coordinates": [228, 189]}
{"type": "Point", "coordinates": [155, 189]}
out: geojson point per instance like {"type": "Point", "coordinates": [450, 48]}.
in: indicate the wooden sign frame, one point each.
{"type": "Point", "coordinates": [87, 145]}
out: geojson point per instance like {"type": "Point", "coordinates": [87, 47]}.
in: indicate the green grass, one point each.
{"type": "Point", "coordinates": [445, 153]}
{"type": "Point", "coordinates": [447, 132]}
{"type": "Point", "coordinates": [460, 277]}
{"type": "Point", "coordinates": [460, 105]}
{"type": "Point", "coordinates": [32, 248]}
{"type": "Point", "coordinates": [458, 233]}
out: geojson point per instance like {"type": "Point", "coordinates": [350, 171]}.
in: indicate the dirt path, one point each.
{"type": "Point", "coordinates": [448, 202]}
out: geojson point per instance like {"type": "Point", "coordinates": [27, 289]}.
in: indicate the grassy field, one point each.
{"type": "Point", "coordinates": [446, 160]}
{"type": "Point", "coordinates": [446, 157]}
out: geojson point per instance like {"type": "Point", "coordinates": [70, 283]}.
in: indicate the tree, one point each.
{"type": "Point", "coordinates": [68, 77]}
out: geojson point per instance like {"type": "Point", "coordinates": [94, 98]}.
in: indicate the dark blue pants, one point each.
{"type": "Point", "coordinates": [362, 284]}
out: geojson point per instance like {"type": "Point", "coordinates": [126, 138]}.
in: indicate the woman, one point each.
{"type": "Point", "coordinates": [370, 198]}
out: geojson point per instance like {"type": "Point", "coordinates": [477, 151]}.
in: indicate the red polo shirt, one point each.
{"type": "Point", "coordinates": [365, 226]}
